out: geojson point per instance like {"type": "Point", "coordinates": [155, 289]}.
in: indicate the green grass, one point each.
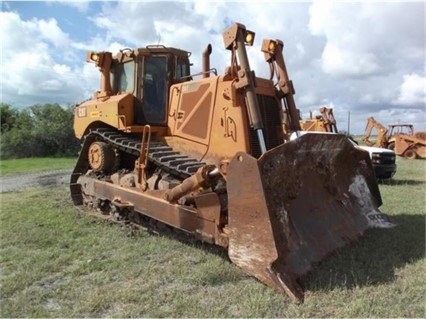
{"type": "Point", "coordinates": [58, 262]}
{"type": "Point", "coordinates": [24, 165]}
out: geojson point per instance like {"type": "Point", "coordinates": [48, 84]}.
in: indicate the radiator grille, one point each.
{"type": "Point", "coordinates": [387, 158]}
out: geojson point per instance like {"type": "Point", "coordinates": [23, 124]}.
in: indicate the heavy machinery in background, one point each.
{"type": "Point", "coordinates": [410, 146]}
{"type": "Point", "coordinates": [208, 156]}
{"type": "Point", "coordinates": [407, 129]}
{"type": "Point", "coordinates": [325, 122]}
{"type": "Point", "coordinates": [381, 140]}
{"type": "Point", "coordinates": [383, 160]}
{"type": "Point", "coordinates": [400, 138]}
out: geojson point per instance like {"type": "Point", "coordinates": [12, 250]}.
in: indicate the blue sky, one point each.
{"type": "Point", "coordinates": [366, 58]}
{"type": "Point", "coordinates": [72, 19]}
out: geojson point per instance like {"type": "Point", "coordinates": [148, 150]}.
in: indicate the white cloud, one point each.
{"type": "Point", "coordinates": [355, 56]}
{"type": "Point", "coordinates": [366, 38]}
{"type": "Point", "coordinates": [412, 91]}
{"type": "Point", "coordinates": [31, 71]}
{"type": "Point", "coordinates": [339, 61]}
{"type": "Point", "coordinates": [80, 5]}
{"type": "Point", "coordinates": [321, 18]}
{"type": "Point", "coordinates": [50, 32]}
{"type": "Point", "coordinates": [61, 68]}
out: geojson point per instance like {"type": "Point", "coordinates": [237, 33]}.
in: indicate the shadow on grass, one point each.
{"type": "Point", "coordinates": [369, 261]}
{"type": "Point", "coordinates": [395, 182]}
{"type": "Point", "coordinates": [373, 259]}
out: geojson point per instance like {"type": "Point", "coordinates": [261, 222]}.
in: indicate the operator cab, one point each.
{"type": "Point", "coordinates": [406, 129]}
{"type": "Point", "coordinates": [148, 74]}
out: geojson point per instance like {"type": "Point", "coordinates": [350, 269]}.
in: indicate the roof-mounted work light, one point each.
{"type": "Point", "coordinates": [95, 57]}
{"type": "Point", "coordinates": [237, 32]}
{"type": "Point", "coordinates": [248, 37]}
{"type": "Point", "coordinates": [270, 47]}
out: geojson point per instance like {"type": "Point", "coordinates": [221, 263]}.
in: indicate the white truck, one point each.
{"type": "Point", "coordinates": [382, 159]}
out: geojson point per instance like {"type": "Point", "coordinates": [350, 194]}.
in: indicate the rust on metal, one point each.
{"type": "Point", "coordinates": [280, 224]}
{"type": "Point", "coordinates": [209, 156]}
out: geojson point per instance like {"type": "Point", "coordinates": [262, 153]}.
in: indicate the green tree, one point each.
{"type": "Point", "coordinates": [41, 130]}
{"type": "Point", "coordinates": [8, 117]}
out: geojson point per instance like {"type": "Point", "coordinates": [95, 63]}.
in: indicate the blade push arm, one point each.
{"type": "Point", "coordinates": [236, 38]}
{"type": "Point", "coordinates": [273, 50]}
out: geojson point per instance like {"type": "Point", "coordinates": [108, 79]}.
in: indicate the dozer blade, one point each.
{"type": "Point", "coordinates": [298, 203]}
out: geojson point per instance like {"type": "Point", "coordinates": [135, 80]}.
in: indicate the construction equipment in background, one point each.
{"type": "Point", "coordinates": [383, 160]}
{"type": "Point", "coordinates": [410, 146]}
{"type": "Point", "coordinates": [400, 138]}
{"type": "Point", "coordinates": [382, 139]}
{"type": "Point", "coordinates": [393, 129]}
{"type": "Point", "coordinates": [407, 129]}
{"type": "Point", "coordinates": [208, 157]}
{"type": "Point", "coordinates": [325, 122]}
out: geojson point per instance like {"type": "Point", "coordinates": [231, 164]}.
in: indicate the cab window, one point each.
{"type": "Point", "coordinates": [123, 77]}
{"type": "Point", "coordinates": [155, 86]}
{"type": "Point", "coordinates": [182, 69]}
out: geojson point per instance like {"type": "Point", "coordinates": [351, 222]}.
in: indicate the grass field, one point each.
{"type": "Point", "coordinates": [26, 165]}
{"type": "Point", "coordinates": [58, 262]}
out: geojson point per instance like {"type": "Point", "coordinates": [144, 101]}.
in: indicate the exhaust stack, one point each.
{"type": "Point", "coordinates": [206, 61]}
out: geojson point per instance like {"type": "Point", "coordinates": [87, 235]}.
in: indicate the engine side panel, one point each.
{"type": "Point", "coordinates": [116, 111]}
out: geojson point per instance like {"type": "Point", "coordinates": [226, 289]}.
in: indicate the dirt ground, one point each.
{"type": "Point", "coordinates": [16, 182]}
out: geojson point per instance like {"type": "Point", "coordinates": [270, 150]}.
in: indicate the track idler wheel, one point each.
{"type": "Point", "coordinates": [101, 157]}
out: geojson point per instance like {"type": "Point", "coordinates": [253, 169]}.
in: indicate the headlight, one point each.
{"type": "Point", "coordinates": [269, 46]}
{"type": "Point", "coordinates": [94, 57]}
{"type": "Point", "coordinates": [375, 158]}
{"type": "Point", "coordinates": [249, 37]}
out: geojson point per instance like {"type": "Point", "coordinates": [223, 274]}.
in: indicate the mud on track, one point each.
{"type": "Point", "coordinates": [17, 182]}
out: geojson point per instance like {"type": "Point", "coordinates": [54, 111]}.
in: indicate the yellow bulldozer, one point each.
{"type": "Point", "coordinates": [325, 122]}
{"type": "Point", "coordinates": [206, 154]}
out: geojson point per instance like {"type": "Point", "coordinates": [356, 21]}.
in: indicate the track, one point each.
{"type": "Point", "coordinates": [160, 154]}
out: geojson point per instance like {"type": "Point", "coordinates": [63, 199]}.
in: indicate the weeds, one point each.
{"type": "Point", "coordinates": [57, 262]}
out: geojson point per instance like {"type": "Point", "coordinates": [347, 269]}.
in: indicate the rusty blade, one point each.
{"type": "Point", "coordinates": [297, 204]}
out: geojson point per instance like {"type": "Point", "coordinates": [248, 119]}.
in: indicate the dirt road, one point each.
{"type": "Point", "coordinates": [16, 182]}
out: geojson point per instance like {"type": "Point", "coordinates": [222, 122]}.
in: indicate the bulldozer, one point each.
{"type": "Point", "coordinates": [400, 138]}
{"type": "Point", "coordinates": [205, 154]}
{"type": "Point", "coordinates": [325, 122]}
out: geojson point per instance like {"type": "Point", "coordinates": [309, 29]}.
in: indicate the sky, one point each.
{"type": "Point", "coordinates": [364, 58]}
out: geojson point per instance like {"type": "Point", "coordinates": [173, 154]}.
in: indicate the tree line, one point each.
{"type": "Point", "coordinates": [37, 131]}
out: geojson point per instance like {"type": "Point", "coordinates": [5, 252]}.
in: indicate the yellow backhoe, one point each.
{"type": "Point", "coordinates": [400, 138]}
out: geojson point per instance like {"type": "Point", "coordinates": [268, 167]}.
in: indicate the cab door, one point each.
{"type": "Point", "coordinates": [153, 90]}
